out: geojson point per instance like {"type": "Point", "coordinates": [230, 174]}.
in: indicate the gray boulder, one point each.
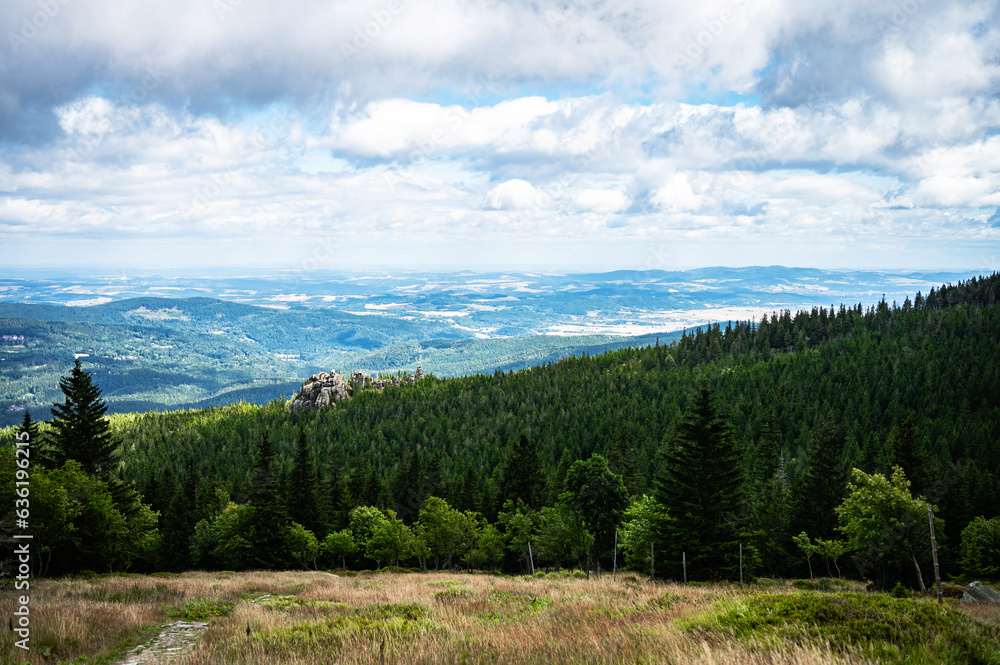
{"type": "Point", "coordinates": [977, 592]}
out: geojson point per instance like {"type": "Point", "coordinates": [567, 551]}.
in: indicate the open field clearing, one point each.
{"type": "Point", "coordinates": [318, 618]}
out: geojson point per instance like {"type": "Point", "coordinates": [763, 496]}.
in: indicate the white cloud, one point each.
{"type": "Point", "coordinates": [602, 200]}
{"type": "Point", "coordinates": [593, 121]}
{"type": "Point", "coordinates": [515, 194]}
{"type": "Point", "coordinates": [677, 195]}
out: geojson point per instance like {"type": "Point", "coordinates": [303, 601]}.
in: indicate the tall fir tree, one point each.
{"type": "Point", "coordinates": [700, 485]}
{"type": "Point", "coordinates": [178, 523]}
{"type": "Point", "coordinates": [767, 456]}
{"type": "Point", "coordinates": [522, 474]}
{"type": "Point", "coordinates": [335, 501]}
{"type": "Point", "coordinates": [302, 493]}
{"type": "Point", "coordinates": [557, 479]}
{"type": "Point", "coordinates": [407, 487]}
{"type": "Point", "coordinates": [910, 456]}
{"type": "Point", "coordinates": [624, 460]}
{"type": "Point", "coordinates": [822, 487]}
{"type": "Point", "coordinates": [28, 426]}
{"type": "Point", "coordinates": [80, 430]}
{"type": "Point", "coordinates": [268, 521]}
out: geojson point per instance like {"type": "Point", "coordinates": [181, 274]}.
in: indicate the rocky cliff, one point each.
{"type": "Point", "coordinates": [328, 388]}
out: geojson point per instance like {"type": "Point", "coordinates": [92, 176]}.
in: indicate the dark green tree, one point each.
{"type": "Point", "coordinates": [823, 486]}
{"type": "Point", "coordinates": [80, 430]}
{"type": "Point", "coordinates": [522, 474]}
{"type": "Point", "coordinates": [557, 480]}
{"type": "Point", "coordinates": [335, 500]}
{"type": "Point", "coordinates": [267, 521]}
{"type": "Point", "coordinates": [700, 485]}
{"type": "Point", "coordinates": [406, 487]}
{"type": "Point", "coordinates": [302, 493]}
{"type": "Point", "coordinates": [623, 460]}
{"type": "Point", "coordinates": [29, 426]}
{"type": "Point", "coordinates": [178, 524]}
{"type": "Point", "coordinates": [910, 456]}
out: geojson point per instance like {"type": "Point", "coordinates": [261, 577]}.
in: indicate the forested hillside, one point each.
{"type": "Point", "coordinates": [806, 397]}
{"type": "Point", "coordinates": [156, 354]}
{"type": "Point", "coordinates": [864, 372]}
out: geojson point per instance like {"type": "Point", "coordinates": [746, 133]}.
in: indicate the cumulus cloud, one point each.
{"type": "Point", "coordinates": [602, 200]}
{"type": "Point", "coordinates": [515, 195]}
{"type": "Point", "coordinates": [596, 120]}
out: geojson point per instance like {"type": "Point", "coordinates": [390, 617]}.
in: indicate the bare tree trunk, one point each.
{"type": "Point", "coordinates": [920, 577]}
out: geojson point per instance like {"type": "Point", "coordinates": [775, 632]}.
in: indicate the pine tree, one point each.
{"type": "Point", "coordinates": [28, 426]}
{"type": "Point", "coordinates": [768, 454]}
{"type": "Point", "coordinates": [406, 487]}
{"type": "Point", "coordinates": [701, 487]}
{"type": "Point", "coordinates": [557, 480]}
{"type": "Point", "coordinates": [303, 487]}
{"type": "Point", "coordinates": [335, 501]}
{"type": "Point", "coordinates": [823, 486]}
{"type": "Point", "coordinates": [909, 455]}
{"type": "Point", "coordinates": [268, 521]}
{"type": "Point", "coordinates": [178, 523]}
{"type": "Point", "coordinates": [80, 430]}
{"type": "Point", "coordinates": [522, 476]}
{"type": "Point", "coordinates": [623, 460]}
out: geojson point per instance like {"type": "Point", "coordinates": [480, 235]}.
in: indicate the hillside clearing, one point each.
{"type": "Point", "coordinates": [314, 617]}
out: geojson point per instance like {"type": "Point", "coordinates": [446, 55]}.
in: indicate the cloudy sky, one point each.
{"type": "Point", "coordinates": [482, 134]}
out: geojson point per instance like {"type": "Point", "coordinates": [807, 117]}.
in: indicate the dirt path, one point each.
{"type": "Point", "coordinates": [173, 641]}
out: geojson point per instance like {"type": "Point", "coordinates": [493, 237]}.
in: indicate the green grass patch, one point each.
{"type": "Point", "coordinates": [446, 583]}
{"type": "Point", "coordinates": [380, 622]}
{"type": "Point", "coordinates": [514, 606]}
{"type": "Point", "coordinates": [894, 630]}
{"type": "Point", "coordinates": [201, 609]}
{"type": "Point", "coordinates": [659, 603]}
{"type": "Point", "coordinates": [453, 594]}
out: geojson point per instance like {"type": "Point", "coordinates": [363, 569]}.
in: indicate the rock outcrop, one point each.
{"type": "Point", "coordinates": [977, 592]}
{"type": "Point", "coordinates": [328, 388]}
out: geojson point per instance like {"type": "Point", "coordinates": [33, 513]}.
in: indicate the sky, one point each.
{"type": "Point", "coordinates": [438, 134]}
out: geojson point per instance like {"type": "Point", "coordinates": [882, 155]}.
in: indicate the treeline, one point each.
{"type": "Point", "coordinates": [802, 399]}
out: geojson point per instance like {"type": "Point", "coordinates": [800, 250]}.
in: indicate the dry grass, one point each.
{"type": "Point", "coordinates": [408, 618]}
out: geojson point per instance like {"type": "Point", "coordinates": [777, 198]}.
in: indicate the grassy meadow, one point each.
{"type": "Point", "coordinates": [314, 618]}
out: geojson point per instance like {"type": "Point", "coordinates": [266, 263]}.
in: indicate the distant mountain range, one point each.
{"type": "Point", "coordinates": [218, 339]}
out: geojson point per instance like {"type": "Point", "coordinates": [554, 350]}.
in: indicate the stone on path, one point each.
{"type": "Point", "coordinates": [174, 641]}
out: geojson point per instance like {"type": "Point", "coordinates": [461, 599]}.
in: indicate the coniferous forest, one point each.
{"type": "Point", "coordinates": [806, 443]}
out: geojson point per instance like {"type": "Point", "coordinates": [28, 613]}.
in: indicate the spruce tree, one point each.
{"type": "Point", "coordinates": [406, 487]}
{"type": "Point", "coordinates": [80, 430]}
{"type": "Point", "coordinates": [557, 480]}
{"type": "Point", "coordinates": [268, 521]}
{"type": "Point", "coordinates": [700, 485]}
{"type": "Point", "coordinates": [823, 486]}
{"type": "Point", "coordinates": [522, 474]}
{"type": "Point", "coordinates": [178, 523]}
{"type": "Point", "coordinates": [909, 455]}
{"type": "Point", "coordinates": [303, 487]}
{"type": "Point", "coordinates": [335, 501]}
{"type": "Point", "coordinates": [28, 426]}
{"type": "Point", "coordinates": [623, 460]}
{"type": "Point", "coordinates": [768, 454]}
